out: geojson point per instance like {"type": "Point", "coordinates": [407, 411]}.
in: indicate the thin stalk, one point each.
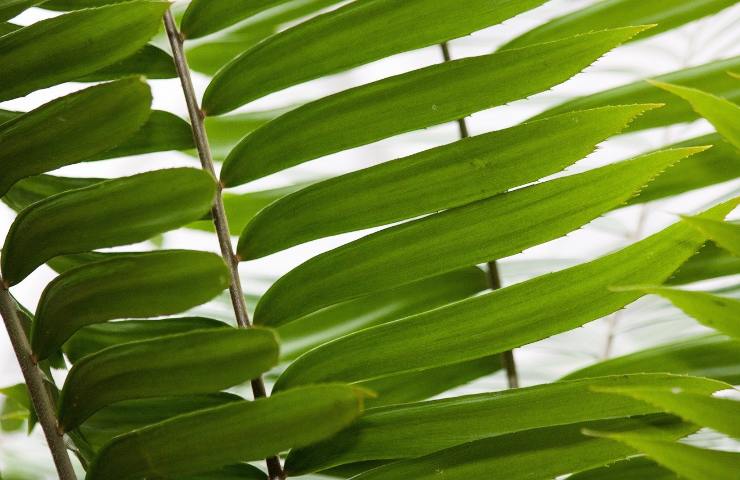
{"type": "Point", "coordinates": [494, 278]}
{"type": "Point", "coordinates": [218, 212]}
{"type": "Point", "coordinates": [34, 377]}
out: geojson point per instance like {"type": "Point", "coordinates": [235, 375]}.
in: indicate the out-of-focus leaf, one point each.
{"type": "Point", "coordinates": [213, 437]}
{"type": "Point", "coordinates": [338, 320]}
{"type": "Point", "coordinates": [208, 16]}
{"type": "Point", "coordinates": [137, 285]}
{"type": "Point", "coordinates": [318, 47]}
{"type": "Point", "coordinates": [637, 468]}
{"type": "Point", "coordinates": [724, 234]}
{"type": "Point", "coordinates": [711, 262]}
{"type": "Point", "coordinates": [711, 77]}
{"type": "Point", "coordinates": [64, 48]}
{"type": "Point", "coordinates": [72, 129]}
{"type": "Point", "coordinates": [411, 101]}
{"type": "Point", "coordinates": [539, 454]}
{"type": "Point", "coordinates": [415, 429]}
{"type": "Point", "coordinates": [719, 164]}
{"type": "Point", "coordinates": [105, 214]}
{"type": "Point", "coordinates": [720, 414]}
{"type": "Point", "coordinates": [492, 228]}
{"type": "Point", "coordinates": [16, 407]}
{"type": "Point", "coordinates": [714, 356]}
{"type": "Point", "coordinates": [469, 170]}
{"type": "Point", "coordinates": [200, 361]}
{"type": "Point", "coordinates": [11, 8]}
{"type": "Point", "coordinates": [150, 62]}
{"type": "Point", "coordinates": [503, 319]}
{"type": "Point", "coordinates": [162, 132]}
{"type": "Point", "coordinates": [225, 132]}
{"type": "Point", "coordinates": [93, 338]}
{"type": "Point", "coordinates": [689, 462]}
{"type": "Point", "coordinates": [665, 14]}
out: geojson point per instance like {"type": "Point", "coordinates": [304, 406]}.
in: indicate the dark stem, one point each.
{"type": "Point", "coordinates": [494, 278]}
{"type": "Point", "coordinates": [218, 212]}
{"type": "Point", "coordinates": [34, 377]}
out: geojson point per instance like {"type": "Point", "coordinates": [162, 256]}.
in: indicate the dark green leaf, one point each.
{"type": "Point", "coordinates": [470, 170]}
{"type": "Point", "coordinates": [11, 8]}
{"type": "Point", "coordinates": [105, 214]}
{"type": "Point", "coordinates": [318, 47]}
{"type": "Point", "coordinates": [64, 48]}
{"type": "Point", "coordinates": [72, 129]}
{"type": "Point", "coordinates": [64, 263]}
{"type": "Point", "coordinates": [242, 471]}
{"type": "Point", "coordinates": [150, 62]}
{"type": "Point", "coordinates": [637, 468]}
{"type": "Point", "coordinates": [711, 262]}
{"type": "Point", "coordinates": [414, 100]}
{"type": "Point", "coordinates": [493, 228]}
{"type": "Point", "coordinates": [33, 189]}
{"type": "Point", "coordinates": [724, 234]}
{"type": "Point", "coordinates": [210, 438]}
{"type": "Point", "coordinates": [137, 285]}
{"type": "Point", "coordinates": [208, 16]}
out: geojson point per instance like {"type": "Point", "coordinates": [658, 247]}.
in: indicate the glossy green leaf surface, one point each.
{"type": "Point", "coordinates": [318, 47]}
{"type": "Point", "coordinates": [64, 48]}
{"type": "Point", "coordinates": [540, 454]}
{"type": "Point", "coordinates": [93, 338]}
{"type": "Point", "coordinates": [502, 319]}
{"type": "Point", "coordinates": [105, 214]}
{"type": "Point", "coordinates": [138, 285]}
{"type": "Point", "coordinates": [724, 234]}
{"type": "Point", "coordinates": [714, 356]}
{"type": "Point", "coordinates": [665, 14]}
{"type": "Point", "coordinates": [150, 61]}
{"type": "Point", "coordinates": [711, 262]}
{"type": "Point", "coordinates": [411, 101]}
{"type": "Point", "coordinates": [493, 228]}
{"type": "Point", "coordinates": [690, 462]}
{"type": "Point", "coordinates": [415, 429]}
{"type": "Point", "coordinates": [469, 170]}
{"type": "Point", "coordinates": [72, 129]}
{"type": "Point", "coordinates": [213, 437]}
{"type": "Point", "coordinates": [200, 361]}
{"type": "Point", "coordinates": [637, 468]}
{"type": "Point", "coordinates": [208, 16]}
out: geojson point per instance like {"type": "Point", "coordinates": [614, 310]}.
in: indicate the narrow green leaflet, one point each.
{"type": "Point", "coordinates": [724, 115]}
{"type": "Point", "coordinates": [711, 77]}
{"type": "Point", "coordinates": [93, 338]}
{"type": "Point", "coordinates": [719, 313]}
{"type": "Point", "coordinates": [493, 228]}
{"type": "Point", "coordinates": [689, 462]}
{"type": "Point", "coordinates": [64, 48]}
{"type": "Point", "coordinates": [319, 46]}
{"type": "Point", "coordinates": [416, 297]}
{"type": "Point", "coordinates": [137, 285]}
{"type": "Point", "coordinates": [162, 132]}
{"type": "Point", "coordinates": [33, 189]}
{"type": "Point", "coordinates": [711, 262]}
{"type": "Point", "coordinates": [242, 471]}
{"type": "Point", "coordinates": [502, 319]}
{"type": "Point", "coordinates": [214, 437]}
{"type": "Point", "coordinates": [666, 14]}
{"type": "Point", "coordinates": [714, 356]}
{"type": "Point", "coordinates": [208, 16]}
{"type": "Point", "coordinates": [150, 61]}
{"type": "Point", "coordinates": [540, 454]}
{"type": "Point", "coordinates": [411, 101]}
{"type": "Point", "coordinates": [64, 263]}
{"type": "Point", "coordinates": [637, 468]}
{"type": "Point", "coordinates": [720, 163]}
{"type": "Point", "coordinates": [470, 170]}
{"type": "Point", "coordinates": [106, 214]}
{"type": "Point", "coordinates": [724, 234]}
{"type": "Point", "coordinates": [201, 361]}
{"type": "Point", "coordinates": [72, 129]}
{"type": "Point", "coordinates": [720, 414]}
{"type": "Point", "coordinates": [415, 429]}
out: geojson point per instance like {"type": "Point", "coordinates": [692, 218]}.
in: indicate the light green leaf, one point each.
{"type": "Point", "coordinates": [690, 462]}
{"type": "Point", "coordinates": [213, 437]}
{"type": "Point", "coordinates": [64, 48]}
{"type": "Point", "coordinates": [711, 77]}
{"type": "Point", "coordinates": [66, 5]}
{"type": "Point", "coordinates": [415, 429]}
{"type": "Point", "coordinates": [503, 319]}
{"type": "Point", "coordinates": [493, 228]}
{"type": "Point", "coordinates": [724, 115]}
{"type": "Point", "coordinates": [38, 187]}
{"type": "Point", "coordinates": [137, 285]}
{"type": "Point", "coordinates": [72, 129]}
{"type": "Point", "coordinates": [724, 234]}
{"type": "Point", "coordinates": [319, 46]}
{"type": "Point", "coordinates": [714, 356]}
{"type": "Point", "coordinates": [666, 14]}
{"type": "Point", "coordinates": [720, 414]}
{"type": "Point", "coordinates": [150, 62]}
{"type": "Point", "coordinates": [470, 170]}
{"type": "Point", "coordinates": [711, 262]}
{"type": "Point", "coordinates": [636, 468]}
{"type": "Point", "coordinates": [93, 338]}
{"type": "Point", "coordinates": [15, 408]}
{"type": "Point", "coordinates": [540, 454]}
{"type": "Point", "coordinates": [208, 16]}
{"type": "Point", "coordinates": [225, 132]}
{"type": "Point", "coordinates": [411, 101]}
{"type": "Point", "coordinates": [416, 297]}
{"type": "Point", "coordinates": [105, 214]}
{"type": "Point", "coordinates": [200, 361]}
